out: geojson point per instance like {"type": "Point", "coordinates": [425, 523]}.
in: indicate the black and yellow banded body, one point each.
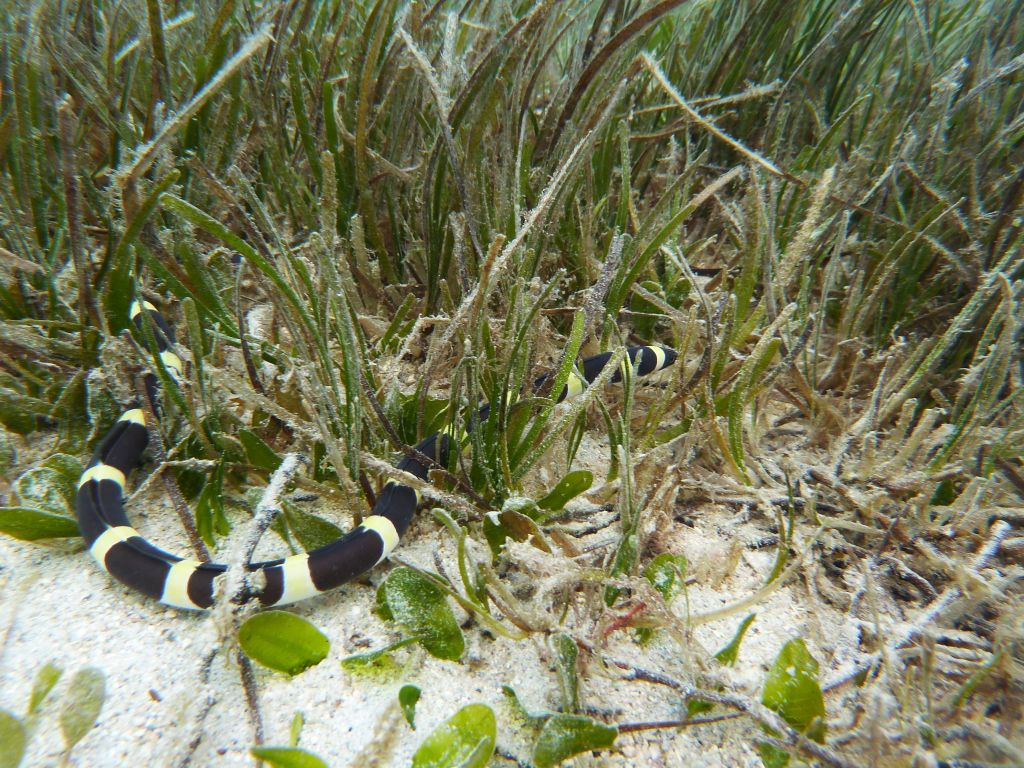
{"type": "Point", "coordinates": [185, 583]}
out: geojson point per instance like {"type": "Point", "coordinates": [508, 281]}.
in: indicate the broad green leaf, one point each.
{"type": "Point", "coordinates": [380, 603]}
{"type": "Point", "coordinates": [522, 527]}
{"type": "Point", "coordinates": [231, 448]}
{"type": "Point", "coordinates": [422, 608]}
{"type": "Point", "coordinates": [46, 678]}
{"type": "Point", "coordinates": [729, 653]}
{"type": "Point", "coordinates": [282, 641]}
{"type": "Point", "coordinates": [667, 574]}
{"type": "Point", "coordinates": [494, 532]}
{"type": "Point", "coordinates": [696, 707]}
{"type": "Point", "coordinates": [311, 531]}
{"type": "Point", "coordinates": [69, 468]}
{"type": "Point", "coordinates": [566, 735]}
{"type": "Point", "coordinates": [103, 410]}
{"type": "Point", "coordinates": [19, 413]}
{"type": "Point", "coordinates": [82, 704]}
{"type": "Point", "coordinates": [13, 738]}
{"type": "Point", "coordinates": [772, 756]}
{"type": "Point", "coordinates": [466, 740]}
{"type": "Point", "coordinates": [566, 654]}
{"type": "Point", "coordinates": [288, 757]}
{"type": "Point", "coordinates": [522, 505]}
{"type": "Point", "coordinates": [792, 690]}
{"type": "Point", "coordinates": [257, 452]}
{"type": "Point", "coordinates": [46, 489]}
{"type": "Point", "coordinates": [569, 487]}
{"type": "Point", "coordinates": [34, 524]}
{"type": "Point", "coordinates": [408, 696]}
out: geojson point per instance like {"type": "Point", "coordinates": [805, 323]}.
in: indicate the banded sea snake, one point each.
{"type": "Point", "coordinates": [189, 584]}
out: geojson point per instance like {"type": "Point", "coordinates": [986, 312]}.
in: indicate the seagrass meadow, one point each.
{"type": "Point", "coordinates": [377, 225]}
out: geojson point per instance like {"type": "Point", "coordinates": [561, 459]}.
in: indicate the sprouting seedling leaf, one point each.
{"type": "Point", "coordinates": [667, 574]}
{"type": "Point", "coordinates": [422, 608]}
{"type": "Point", "coordinates": [34, 524]}
{"type": "Point", "coordinates": [728, 654]}
{"type": "Point", "coordinates": [968, 688]}
{"type": "Point", "coordinates": [288, 757]}
{"type": "Point", "coordinates": [295, 732]}
{"type": "Point", "coordinates": [569, 487]}
{"type": "Point", "coordinates": [566, 654]}
{"type": "Point", "coordinates": [13, 738]}
{"type": "Point", "coordinates": [82, 704]}
{"type": "Point", "coordinates": [465, 740]}
{"type": "Point", "coordinates": [696, 707]}
{"type": "Point", "coordinates": [792, 690]}
{"type": "Point", "coordinates": [785, 535]}
{"type": "Point", "coordinates": [529, 720]}
{"type": "Point", "coordinates": [622, 562]}
{"type": "Point", "coordinates": [408, 696]}
{"type": "Point", "coordinates": [378, 663]}
{"type": "Point", "coordinates": [46, 678]}
{"type": "Point", "coordinates": [282, 641]}
{"type": "Point", "coordinates": [46, 489]}
{"type": "Point", "coordinates": [566, 735]}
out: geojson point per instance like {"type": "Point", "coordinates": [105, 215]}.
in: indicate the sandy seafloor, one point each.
{"type": "Point", "coordinates": [57, 606]}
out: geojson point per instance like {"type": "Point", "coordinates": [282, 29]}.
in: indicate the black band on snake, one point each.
{"type": "Point", "coordinates": [189, 584]}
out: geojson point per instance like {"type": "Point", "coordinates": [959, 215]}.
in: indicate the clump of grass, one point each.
{"type": "Point", "coordinates": [331, 197]}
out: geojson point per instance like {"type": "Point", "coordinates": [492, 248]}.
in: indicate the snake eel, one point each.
{"type": "Point", "coordinates": [189, 584]}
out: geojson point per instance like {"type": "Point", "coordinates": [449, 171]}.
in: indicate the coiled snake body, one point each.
{"type": "Point", "coordinates": [189, 584]}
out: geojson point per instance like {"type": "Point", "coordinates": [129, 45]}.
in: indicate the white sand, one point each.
{"type": "Point", "coordinates": [59, 606]}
